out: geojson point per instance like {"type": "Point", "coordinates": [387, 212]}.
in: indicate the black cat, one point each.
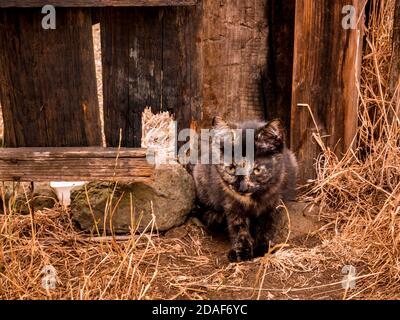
{"type": "Point", "coordinates": [245, 204]}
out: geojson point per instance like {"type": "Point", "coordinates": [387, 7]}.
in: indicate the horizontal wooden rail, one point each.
{"type": "Point", "coordinates": [95, 3]}
{"type": "Point", "coordinates": [74, 164]}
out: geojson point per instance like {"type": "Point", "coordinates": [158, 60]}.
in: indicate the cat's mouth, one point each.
{"type": "Point", "coordinates": [244, 194]}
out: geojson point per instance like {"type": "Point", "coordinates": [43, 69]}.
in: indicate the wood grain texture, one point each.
{"type": "Point", "coordinates": [233, 57]}
{"type": "Point", "coordinates": [149, 59]}
{"type": "Point", "coordinates": [326, 63]}
{"type": "Point", "coordinates": [48, 85]}
{"type": "Point", "coordinates": [132, 74]}
{"type": "Point", "coordinates": [195, 61]}
{"type": "Point", "coordinates": [95, 3]}
{"type": "Point", "coordinates": [181, 66]}
{"type": "Point", "coordinates": [277, 80]}
{"type": "Point", "coordinates": [395, 61]}
{"type": "Point", "coordinates": [74, 164]}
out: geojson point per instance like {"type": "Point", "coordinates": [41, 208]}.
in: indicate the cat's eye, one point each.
{"type": "Point", "coordinates": [257, 171]}
{"type": "Point", "coordinates": [231, 169]}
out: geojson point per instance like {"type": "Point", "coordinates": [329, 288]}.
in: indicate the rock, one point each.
{"type": "Point", "coordinates": [170, 197]}
{"type": "Point", "coordinates": [303, 221]}
{"type": "Point", "coordinates": [43, 197]}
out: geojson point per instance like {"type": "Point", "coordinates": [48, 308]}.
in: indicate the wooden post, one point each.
{"type": "Point", "coordinates": [233, 58]}
{"type": "Point", "coordinates": [48, 85]}
{"type": "Point", "coordinates": [277, 82]}
{"type": "Point", "coordinates": [326, 64]}
{"type": "Point", "coordinates": [395, 63]}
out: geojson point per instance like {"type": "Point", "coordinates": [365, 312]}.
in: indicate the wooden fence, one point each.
{"type": "Point", "coordinates": [238, 59]}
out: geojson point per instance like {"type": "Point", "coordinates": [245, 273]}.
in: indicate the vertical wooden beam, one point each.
{"type": "Point", "coordinates": [234, 58]}
{"type": "Point", "coordinates": [326, 64]}
{"type": "Point", "coordinates": [132, 74]}
{"type": "Point", "coordinates": [145, 68]}
{"type": "Point", "coordinates": [395, 63]}
{"type": "Point", "coordinates": [47, 79]}
{"type": "Point", "coordinates": [277, 82]}
{"type": "Point", "coordinates": [181, 92]}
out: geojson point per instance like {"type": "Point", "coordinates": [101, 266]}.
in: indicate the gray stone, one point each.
{"type": "Point", "coordinates": [42, 197]}
{"type": "Point", "coordinates": [170, 197]}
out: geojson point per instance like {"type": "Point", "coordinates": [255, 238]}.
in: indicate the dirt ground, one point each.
{"type": "Point", "coordinates": [209, 275]}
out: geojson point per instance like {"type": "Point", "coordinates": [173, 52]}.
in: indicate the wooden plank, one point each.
{"type": "Point", "coordinates": [48, 87]}
{"type": "Point", "coordinates": [74, 164]}
{"type": "Point", "coordinates": [234, 44]}
{"type": "Point", "coordinates": [149, 59]}
{"type": "Point", "coordinates": [326, 63]}
{"type": "Point", "coordinates": [277, 81]}
{"type": "Point", "coordinates": [181, 91]}
{"type": "Point", "coordinates": [145, 70]}
{"type": "Point", "coordinates": [95, 3]}
{"type": "Point", "coordinates": [395, 61]}
{"type": "Point", "coordinates": [115, 61]}
{"type": "Point", "coordinates": [41, 153]}
{"type": "Point", "coordinates": [132, 74]}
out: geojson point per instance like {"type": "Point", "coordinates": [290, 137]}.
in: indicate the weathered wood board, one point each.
{"type": "Point", "coordinates": [132, 58]}
{"type": "Point", "coordinates": [196, 62]}
{"type": "Point", "coordinates": [182, 67]}
{"type": "Point", "coordinates": [149, 59]}
{"type": "Point", "coordinates": [395, 62]}
{"type": "Point", "coordinates": [94, 3]}
{"type": "Point", "coordinates": [74, 164]}
{"type": "Point", "coordinates": [234, 44]}
{"type": "Point", "coordinates": [326, 64]}
{"type": "Point", "coordinates": [277, 81]}
{"type": "Point", "coordinates": [48, 88]}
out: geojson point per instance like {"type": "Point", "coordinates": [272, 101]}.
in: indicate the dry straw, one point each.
{"type": "Point", "coordinates": [360, 194]}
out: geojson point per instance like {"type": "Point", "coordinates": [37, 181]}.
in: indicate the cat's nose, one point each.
{"type": "Point", "coordinates": [243, 187]}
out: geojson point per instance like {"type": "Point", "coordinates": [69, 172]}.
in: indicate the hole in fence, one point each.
{"type": "Point", "coordinates": [99, 75]}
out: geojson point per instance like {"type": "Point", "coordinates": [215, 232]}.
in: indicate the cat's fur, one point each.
{"type": "Point", "coordinates": [246, 205]}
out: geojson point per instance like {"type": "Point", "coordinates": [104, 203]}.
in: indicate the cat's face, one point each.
{"type": "Point", "coordinates": [255, 178]}
{"type": "Point", "coordinates": [251, 177]}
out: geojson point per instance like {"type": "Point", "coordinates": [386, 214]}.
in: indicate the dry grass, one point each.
{"type": "Point", "coordinates": [86, 269]}
{"type": "Point", "coordinates": [360, 194]}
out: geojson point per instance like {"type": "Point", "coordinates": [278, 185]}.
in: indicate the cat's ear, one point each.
{"type": "Point", "coordinates": [271, 137]}
{"type": "Point", "coordinates": [220, 124]}
{"type": "Point", "coordinates": [223, 132]}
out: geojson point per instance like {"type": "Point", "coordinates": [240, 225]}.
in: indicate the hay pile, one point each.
{"type": "Point", "coordinates": [360, 194]}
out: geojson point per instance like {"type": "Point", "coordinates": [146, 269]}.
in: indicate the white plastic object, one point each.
{"type": "Point", "coordinates": [63, 190]}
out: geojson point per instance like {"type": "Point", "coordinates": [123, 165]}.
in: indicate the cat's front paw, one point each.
{"type": "Point", "coordinates": [260, 250]}
{"type": "Point", "coordinates": [244, 253]}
